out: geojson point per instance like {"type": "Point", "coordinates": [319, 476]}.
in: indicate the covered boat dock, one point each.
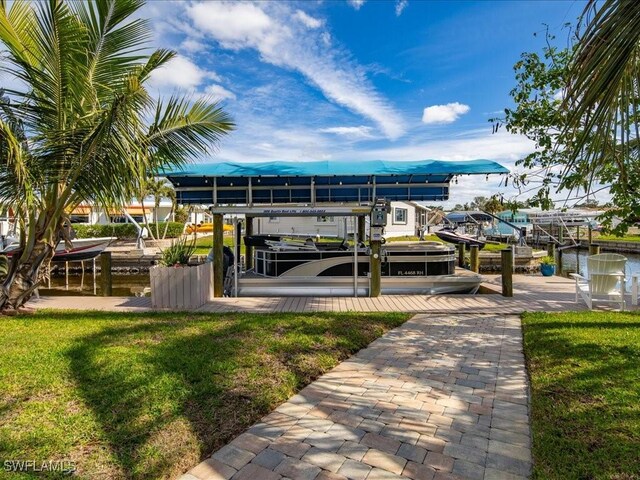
{"type": "Point", "coordinates": [317, 188]}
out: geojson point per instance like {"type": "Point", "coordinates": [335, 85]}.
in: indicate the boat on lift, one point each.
{"type": "Point", "coordinates": [308, 268]}
{"type": "Point", "coordinates": [82, 249]}
{"type": "Point", "coordinates": [449, 234]}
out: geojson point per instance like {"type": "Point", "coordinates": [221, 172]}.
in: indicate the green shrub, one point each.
{"type": "Point", "coordinates": [179, 252]}
{"type": "Point", "coordinates": [547, 261]}
{"type": "Point", "coordinates": [181, 215]}
{"type": "Point", "coordinates": [174, 230]}
{"type": "Point", "coordinates": [124, 231]}
{"type": "Point", "coordinates": [119, 230]}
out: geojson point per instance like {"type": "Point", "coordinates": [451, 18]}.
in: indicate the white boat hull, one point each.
{"type": "Point", "coordinates": [83, 249]}
{"type": "Point", "coordinates": [291, 286]}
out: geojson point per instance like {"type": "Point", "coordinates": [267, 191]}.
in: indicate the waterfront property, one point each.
{"type": "Point", "coordinates": [317, 190]}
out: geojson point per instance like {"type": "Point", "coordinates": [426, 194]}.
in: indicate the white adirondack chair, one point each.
{"type": "Point", "coordinates": [605, 282]}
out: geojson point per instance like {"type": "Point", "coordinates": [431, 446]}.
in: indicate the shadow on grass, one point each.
{"type": "Point", "coordinates": [585, 398]}
{"type": "Point", "coordinates": [167, 391]}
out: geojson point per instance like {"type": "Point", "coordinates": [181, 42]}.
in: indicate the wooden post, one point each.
{"type": "Point", "coordinates": [589, 236]}
{"type": "Point", "coordinates": [362, 225]}
{"type": "Point", "coordinates": [460, 247]}
{"type": "Point", "coordinates": [248, 251]}
{"type": "Point", "coordinates": [238, 240]}
{"type": "Point", "coordinates": [507, 272]}
{"type": "Point", "coordinates": [475, 258]}
{"type": "Point", "coordinates": [559, 263]}
{"type": "Point", "coordinates": [105, 274]}
{"type": "Point", "coordinates": [218, 256]}
{"type": "Point", "coordinates": [594, 249]}
{"type": "Point", "coordinates": [375, 271]}
{"type": "Point", "coordinates": [551, 249]}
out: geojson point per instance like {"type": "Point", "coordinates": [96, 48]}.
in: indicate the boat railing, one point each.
{"type": "Point", "coordinates": [274, 263]}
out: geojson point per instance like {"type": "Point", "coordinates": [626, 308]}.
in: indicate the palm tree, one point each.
{"type": "Point", "coordinates": [603, 98]}
{"type": "Point", "coordinates": [77, 128]}
{"type": "Point", "coordinates": [159, 189]}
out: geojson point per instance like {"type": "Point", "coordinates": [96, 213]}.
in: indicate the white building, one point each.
{"type": "Point", "coordinates": [405, 218]}
{"type": "Point", "coordinates": [94, 215]}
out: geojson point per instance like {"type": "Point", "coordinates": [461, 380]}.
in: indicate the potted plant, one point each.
{"type": "Point", "coordinates": [178, 253]}
{"type": "Point", "coordinates": [547, 266]}
{"type": "Point", "coordinates": [175, 284]}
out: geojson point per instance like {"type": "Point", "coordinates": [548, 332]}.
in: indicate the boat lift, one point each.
{"type": "Point", "coordinates": [354, 212]}
{"type": "Point", "coordinates": [315, 188]}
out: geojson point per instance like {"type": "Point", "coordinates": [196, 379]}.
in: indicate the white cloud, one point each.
{"type": "Point", "coordinates": [360, 132]}
{"type": "Point", "coordinates": [326, 38]}
{"type": "Point", "coordinates": [219, 92]}
{"type": "Point", "coordinates": [307, 20]}
{"type": "Point", "coordinates": [356, 3]}
{"type": "Point", "coordinates": [502, 146]}
{"type": "Point", "coordinates": [191, 45]}
{"type": "Point", "coordinates": [444, 113]}
{"type": "Point", "coordinates": [400, 6]}
{"type": "Point", "coordinates": [289, 45]}
{"type": "Point", "coordinates": [235, 25]}
{"type": "Point", "coordinates": [181, 73]}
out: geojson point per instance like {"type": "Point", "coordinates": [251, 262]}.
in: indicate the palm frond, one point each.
{"type": "Point", "coordinates": [184, 130]}
{"type": "Point", "coordinates": [603, 94]}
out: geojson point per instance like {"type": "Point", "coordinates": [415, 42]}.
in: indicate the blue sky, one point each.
{"type": "Point", "coordinates": [349, 80]}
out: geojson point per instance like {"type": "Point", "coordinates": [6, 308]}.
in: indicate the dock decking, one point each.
{"type": "Point", "coordinates": [531, 293]}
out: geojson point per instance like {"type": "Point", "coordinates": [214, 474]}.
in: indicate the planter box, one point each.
{"type": "Point", "coordinates": [184, 288]}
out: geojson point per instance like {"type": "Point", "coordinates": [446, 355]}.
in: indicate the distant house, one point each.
{"type": "Point", "coordinates": [405, 218]}
{"type": "Point", "coordinates": [93, 215]}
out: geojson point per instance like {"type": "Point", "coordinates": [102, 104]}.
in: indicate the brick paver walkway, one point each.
{"type": "Point", "coordinates": [441, 397]}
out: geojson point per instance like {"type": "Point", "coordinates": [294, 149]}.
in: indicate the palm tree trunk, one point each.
{"type": "Point", "coordinates": [25, 276]}
{"type": "Point", "coordinates": [156, 218]}
{"type": "Point", "coordinates": [146, 220]}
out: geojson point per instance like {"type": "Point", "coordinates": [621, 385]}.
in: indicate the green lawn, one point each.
{"type": "Point", "coordinates": [585, 384]}
{"type": "Point", "coordinates": [625, 238]}
{"type": "Point", "coordinates": [489, 247]}
{"type": "Point", "coordinates": [204, 244]}
{"type": "Point", "coordinates": [149, 395]}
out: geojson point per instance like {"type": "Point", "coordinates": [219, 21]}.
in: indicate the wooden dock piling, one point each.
{"type": "Point", "coordinates": [474, 253]}
{"type": "Point", "coordinates": [248, 252]}
{"type": "Point", "coordinates": [362, 228]}
{"type": "Point", "coordinates": [376, 269]}
{"type": "Point", "coordinates": [551, 250]}
{"type": "Point", "coordinates": [507, 272]}
{"type": "Point", "coordinates": [559, 263]}
{"type": "Point", "coordinates": [460, 248]}
{"type": "Point", "coordinates": [218, 256]}
{"type": "Point", "coordinates": [106, 281]}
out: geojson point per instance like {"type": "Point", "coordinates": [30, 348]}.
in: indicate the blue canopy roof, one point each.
{"type": "Point", "coordinates": [342, 167]}
{"type": "Point", "coordinates": [322, 181]}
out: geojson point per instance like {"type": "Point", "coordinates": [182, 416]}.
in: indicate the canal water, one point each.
{"type": "Point", "coordinates": [576, 261]}
{"type": "Point", "coordinates": [131, 285]}
{"type": "Point", "coordinates": [123, 285]}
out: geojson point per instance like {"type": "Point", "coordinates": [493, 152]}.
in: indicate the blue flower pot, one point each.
{"type": "Point", "coordinates": [547, 270]}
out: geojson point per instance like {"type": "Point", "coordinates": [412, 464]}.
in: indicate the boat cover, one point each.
{"type": "Point", "coordinates": [341, 167]}
{"type": "Point", "coordinates": [329, 181]}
